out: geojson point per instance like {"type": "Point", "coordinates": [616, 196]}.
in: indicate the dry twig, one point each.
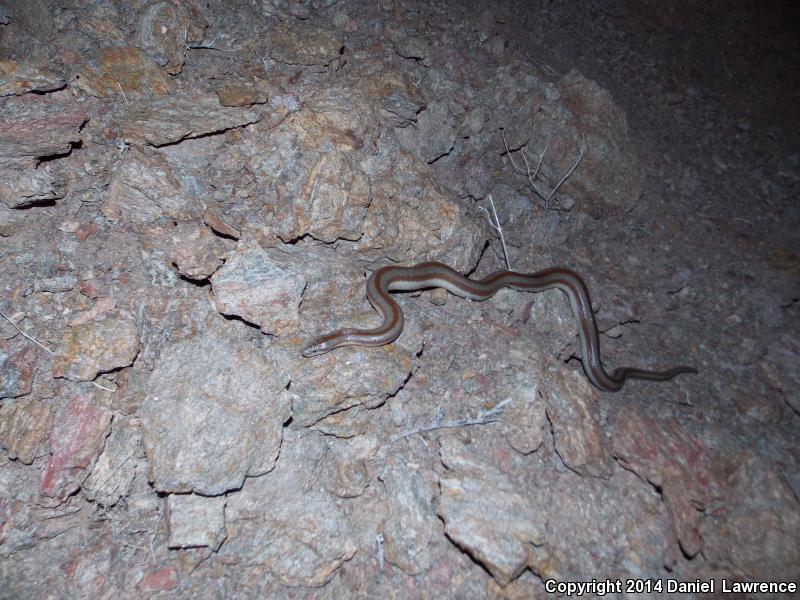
{"type": "Point", "coordinates": [483, 418]}
{"type": "Point", "coordinates": [567, 174]}
{"type": "Point", "coordinates": [379, 549]}
{"type": "Point", "coordinates": [14, 325]}
{"type": "Point", "coordinates": [494, 223]}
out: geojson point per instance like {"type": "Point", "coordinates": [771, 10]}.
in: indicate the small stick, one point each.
{"type": "Point", "coordinates": [567, 174]}
{"type": "Point", "coordinates": [484, 418]}
{"type": "Point", "coordinates": [94, 383]}
{"type": "Point", "coordinates": [538, 166]}
{"type": "Point", "coordinates": [264, 58]}
{"type": "Point", "coordinates": [497, 227]}
{"type": "Point", "coordinates": [14, 325]}
{"type": "Point", "coordinates": [122, 91]}
{"type": "Point", "coordinates": [508, 152]}
{"type": "Point", "coordinates": [379, 547]}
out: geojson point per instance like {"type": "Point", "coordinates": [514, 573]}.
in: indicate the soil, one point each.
{"type": "Point", "coordinates": [160, 433]}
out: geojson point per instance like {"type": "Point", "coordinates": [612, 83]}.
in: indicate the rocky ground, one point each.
{"type": "Point", "coordinates": [189, 191]}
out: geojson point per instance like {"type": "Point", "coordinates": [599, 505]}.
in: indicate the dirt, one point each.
{"type": "Point", "coordinates": [191, 190]}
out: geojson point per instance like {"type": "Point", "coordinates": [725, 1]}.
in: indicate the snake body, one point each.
{"type": "Point", "coordinates": [434, 274]}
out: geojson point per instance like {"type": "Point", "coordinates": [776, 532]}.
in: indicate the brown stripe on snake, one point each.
{"type": "Point", "coordinates": [434, 274]}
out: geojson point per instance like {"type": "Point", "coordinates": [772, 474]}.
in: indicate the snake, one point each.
{"type": "Point", "coordinates": [437, 275]}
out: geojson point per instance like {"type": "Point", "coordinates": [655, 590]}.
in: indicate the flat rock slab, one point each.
{"type": "Point", "coordinates": [171, 119]}
{"type": "Point", "coordinates": [20, 77]}
{"type": "Point", "coordinates": [33, 126]}
{"type": "Point", "coordinates": [572, 411]}
{"type": "Point", "coordinates": [114, 471]}
{"type": "Point", "coordinates": [213, 414]}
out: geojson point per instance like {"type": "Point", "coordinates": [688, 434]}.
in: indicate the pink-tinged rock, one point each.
{"type": "Point", "coordinates": [261, 287]}
{"type": "Point", "coordinates": [75, 439]}
{"type": "Point", "coordinates": [669, 456]}
{"type": "Point", "coordinates": [160, 580]}
{"type": "Point", "coordinates": [33, 126]}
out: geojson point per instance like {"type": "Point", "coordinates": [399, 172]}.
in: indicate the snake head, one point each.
{"type": "Point", "coordinates": [318, 346]}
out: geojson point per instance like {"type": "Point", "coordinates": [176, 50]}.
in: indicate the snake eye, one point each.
{"type": "Point", "coordinates": [315, 348]}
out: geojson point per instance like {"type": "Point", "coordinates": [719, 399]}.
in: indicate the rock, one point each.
{"type": "Point", "coordinates": [145, 189]}
{"type": "Point", "coordinates": [121, 72]}
{"type": "Point", "coordinates": [77, 435]}
{"type": "Point", "coordinates": [780, 369]}
{"type": "Point", "coordinates": [409, 220]}
{"type": "Point", "coordinates": [434, 135]}
{"type": "Point", "coordinates": [213, 414]}
{"type": "Point", "coordinates": [618, 521]}
{"type": "Point", "coordinates": [62, 283]}
{"type": "Point", "coordinates": [524, 424]}
{"type": "Point", "coordinates": [11, 221]}
{"type": "Point", "coordinates": [242, 95]}
{"type": "Point", "coordinates": [97, 347]}
{"type": "Point", "coordinates": [412, 523]}
{"type": "Point", "coordinates": [572, 411]}
{"type": "Point", "coordinates": [23, 426]}
{"type": "Point", "coordinates": [220, 224]}
{"type": "Point", "coordinates": [170, 119]}
{"type": "Point", "coordinates": [411, 47]}
{"type": "Point", "coordinates": [319, 187]}
{"type": "Point", "coordinates": [21, 77]}
{"type": "Point", "coordinates": [196, 253]}
{"type": "Point", "coordinates": [35, 126]}
{"type": "Point", "coordinates": [301, 543]}
{"type": "Point", "coordinates": [402, 111]}
{"type": "Point", "coordinates": [610, 174]}
{"type": "Point", "coordinates": [166, 28]}
{"type": "Point", "coordinates": [328, 201]}
{"type": "Point", "coordinates": [112, 477]}
{"type": "Point", "coordinates": [670, 457]}
{"type": "Point", "coordinates": [159, 580]}
{"type": "Point", "coordinates": [20, 189]}
{"type": "Point", "coordinates": [305, 43]}
{"type": "Point", "coordinates": [346, 472]}
{"type": "Point", "coordinates": [196, 521]}
{"type": "Point", "coordinates": [486, 514]}
{"type": "Point", "coordinates": [18, 358]}
{"type": "Point", "coordinates": [755, 528]}
{"type": "Point", "coordinates": [264, 287]}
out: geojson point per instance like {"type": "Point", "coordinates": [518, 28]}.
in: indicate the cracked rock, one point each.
{"type": "Point", "coordinates": [97, 347]}
{"type": "Point", "coordinates": [485, 513]}
{"type": "Point", "coordinates": [213, 414]}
